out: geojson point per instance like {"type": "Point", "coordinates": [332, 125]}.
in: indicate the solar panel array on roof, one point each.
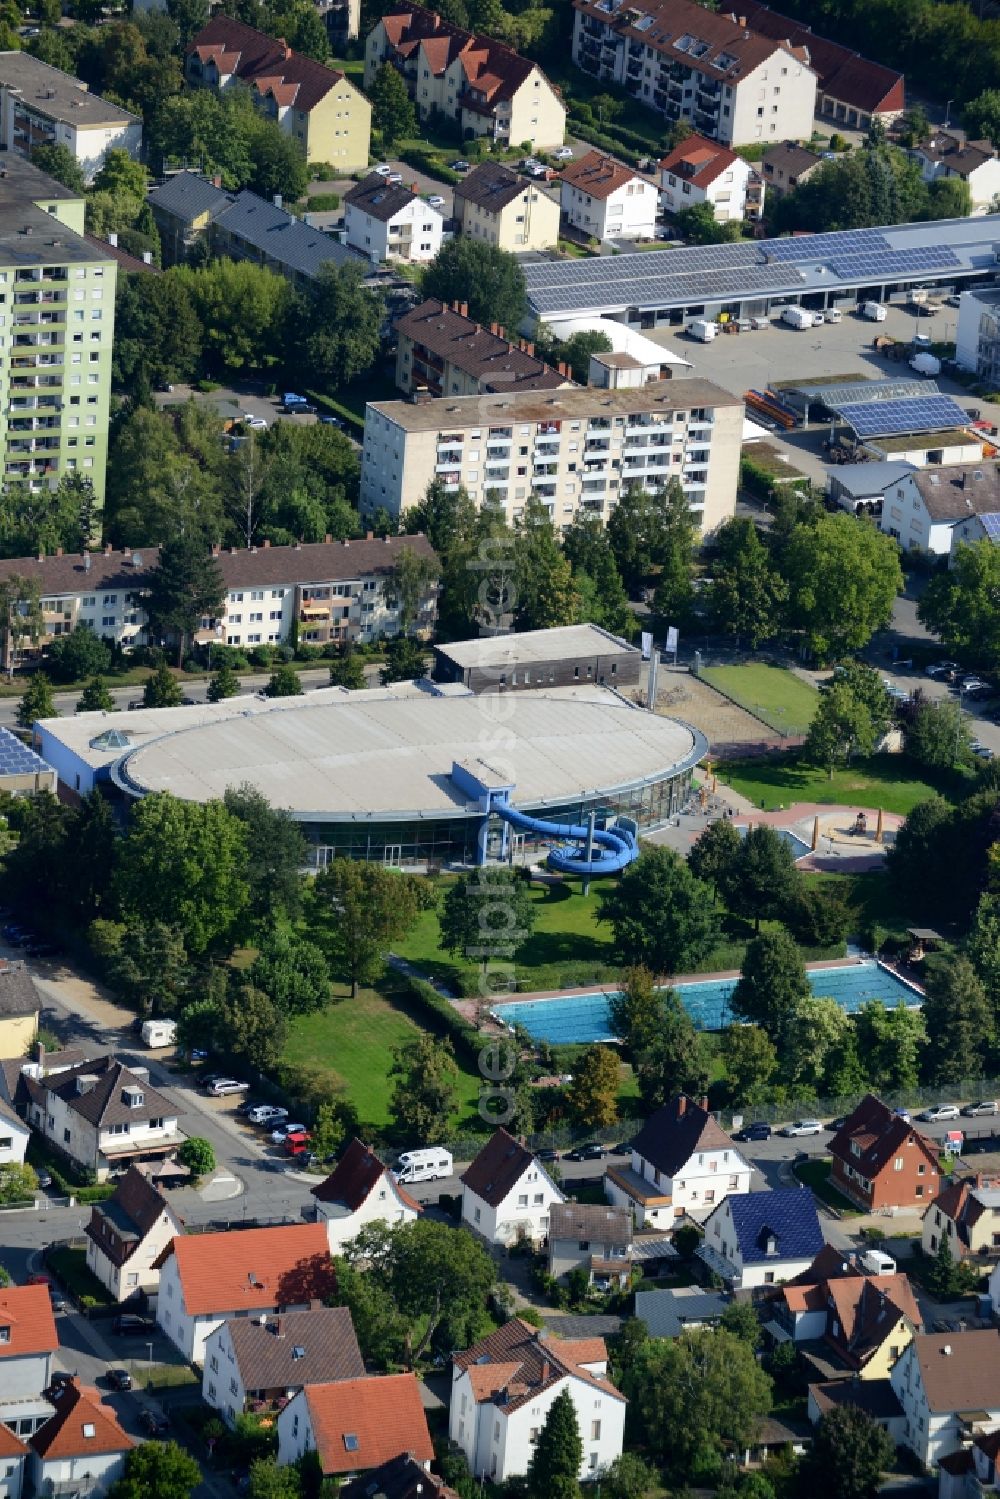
{"type": "Point", "coordinates": [900, 418]}
{"type": "Point", "coordinates": [859, 392]}
{"type": "Point", "coordinates": [654, 290]}
{"type": "Point", "coordinates": [819, 246]}
{"type": "Point", "coordinates": [893, 262]}
{"type": "Point", "coordinates": [16, 759]}
{"type": "Point", "coordinates": [991, 525]}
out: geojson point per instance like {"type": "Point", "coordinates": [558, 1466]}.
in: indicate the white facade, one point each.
{"type": "Point", "coordinates": [139, 1272]}
{"type": "Point", "coordinates": [726, 192]}
{"type": "Point", "coordinates": [413, 233]}
{"type": "Point", "coordinates": [187, 1333]}
{"type": "Point", "coordinates": [929, 1434]}
{"type": "Point", "coordinates": [77, 1476]}
{"type": "Point", "coordinates": [946, 158]}
{"type": "Point", "coordinates": [628, 212]}
{"type": "Point", "coordinates": [911, 512]}
{"type": "Point", "coordinates": [382, 1205]}
{"type": "Point", "coordinates": [523, 1212]}
{"type": "Point", "coordinates": [656, 1199]}
{"type": "Point", "coordinates": [11, 1477]}
{"type": "Point", "coordinates": [94, 1148]}
{"type": "Point", "coordinates": [41, 105]}
{"type": "Point", "coordinates": [222, 1384]}
{"type": "Point", "coordinates": [500, 1443]}
{"type": "Point", "coordinates": [722, 1252]}
{"type": "Point", "coordinates": [14, 1137]}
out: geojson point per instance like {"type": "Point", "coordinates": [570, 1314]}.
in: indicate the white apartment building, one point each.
{"type": "Point", "coordinates": [387, 222]}
{"type": "Point", "coordinates": [949, 1387]}
{"type": "Point", "coordinates": [977, 337]}
{"type": "Point", "coordinates": [606, 200]}
{"type": "Point", "coordinates": [683, 1163]}
{"type": "Point", "coordinates": [932, 509]}
{"type": "Point", "coordinates": [573, 449]}
{"type": "Point", "coordinates": [507, 1195]}
{"type": "Point", "coordinates": [42, 106]}
{"type": "Point", "coordinates": [699, 170]}
{"type": "Point", "coordinates": [733, 84]}
{"type": "Point", "coordinates": [101, 1114]}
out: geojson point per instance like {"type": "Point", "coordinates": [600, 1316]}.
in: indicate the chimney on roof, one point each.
{"type": "Point", "coordinates": [216, 549]}
{"type": "Point", "coordinates": [464, 309]}
{"type": "Point", "coordinates": [113, 239]}
{"type": "Point", "coordinates": [265, 545]}
{"type": "Point", "coordinates": [369, 536]}
{"type": "Point", "coordinates": [529, 348]}
{"type": "Point", "coordinates": [108, 550]}
{"type": "Point", "coordinates": [147, 257]}
{"type": "Point", "coordinates": [278, 200]}
{"type": "Point", "coordinates": [217, 181]}
{"type": "Point", "coordinates": [327, 539]}
{"type": "Point", "coordinates": [59, 551]}
{"type": "Point", "coordinates": [703, 1103]}
{"type": "Point", "coordinates": [41, 556]}
{"type": "Point", "coordinates": [546, 1370]}
{"type": "Point", "coordinates": [682, 1104]}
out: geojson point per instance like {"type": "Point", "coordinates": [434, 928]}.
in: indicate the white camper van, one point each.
{"type": "Point", "coordinates": [159, 1033]}
{"type": "Point", "coordinates": [427, 1165]}
{"type": "Point", "coordinates": [874, 311]}
{"type": "Point", "coordinates": [798, 317]}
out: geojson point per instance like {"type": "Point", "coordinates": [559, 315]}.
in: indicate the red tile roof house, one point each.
{"type": "Point", "coordinates": [354, 1425]}
{"type": "Point", "coordinates": [699, 170]}
{"type": "Point", "coordinates": [81, 1449]}
{"type": "Point", "coordinates": [880, 1161]}
{"type": "Point", "coordinates": [503, 1387]}
{"type": "Point", "coordinates": [606, 200]}
{"type": "Point", "coordinates": [358, 1191]}
{"type": "Point", "coordinates": [28, 1339]}
{"type": "Point", "coordinates": [13, 1460]}
{"type": "Point", "coordinates": [507, 1194]}
{"type": "Point", "coordinates": [207, 1278]}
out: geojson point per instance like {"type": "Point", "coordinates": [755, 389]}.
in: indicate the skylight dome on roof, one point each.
{"type": "Point", "coordinates": [111, 739]}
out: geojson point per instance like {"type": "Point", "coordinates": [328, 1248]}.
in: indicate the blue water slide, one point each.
{"type": "Point", "coordinates": [613, 848]}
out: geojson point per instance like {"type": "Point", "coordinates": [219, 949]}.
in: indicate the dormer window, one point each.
{"type": "Point", "coordinates": [4, 1333]}
{"type": "Point", "coordinates": [133, 1098]}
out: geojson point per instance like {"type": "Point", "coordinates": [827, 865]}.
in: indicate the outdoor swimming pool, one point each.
{"type": "Point", "coordinates": [798, 846]}
{"type": "Point", "coordinates": [584, 1017]}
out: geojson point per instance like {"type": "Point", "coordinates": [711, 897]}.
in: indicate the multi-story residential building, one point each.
{"type": "Point", "coordinates": [733, 84]}
{"type": "Point", "coordinates": [81, 1449]}
{"type": "Point", "coordinates": [949, 1387]}
{"type": "Point", "coordinates": [475, 81]}
{"type": "Point", "coordinates": [58, 293]}
{"type": "Point", "coordinates": [384, 221]}
{"type": "Point", "coordinates": [977, 337]}
{"type": "Point", "coordinates": [317, 106]}
{"type": "Point", "coordinates": [606, 200]}
{"type": "Point", "coordinates": [966, 1213]}
{"type": "Point", "coordinates": [441, 350]}
{"type": "Point", "coordinates": [101, 1114]}
{"type": "Point", "coordinates": [360, 1190]}
{"type": "Point", "coordinates": [494, 204]}
{"type": "Point", "coordinates": [787, 166]}
{"type": "Point", "coordinates": [260, 1363]}
{"type": "Point", "coordinates": [126, 1236]}
{"type": "Point", "coordinates": [191, 210]}
{"type": "Point", "coordinates": [881, 1161]}
{"type": "Point", "coordinates": [42, 106]}
{"type": "Point", "coordinates": [756, 1239]}
{"type": "Point", "coordinates": [354, 1425]}
{"type": "Point", "coordinates": [974, 162]}
{"type": "Point", "coordinates": [682, 1162]}
{"type": "Point", "coordinates": [701, 171]}
{"type": "Point", "coordinates": [507, 1194]}
{"type": "Point", "coordinates": [28, 1340]}
{"type": "Point", "coordinates": [575, 450]}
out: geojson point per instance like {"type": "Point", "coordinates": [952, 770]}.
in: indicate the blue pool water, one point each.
{"type": "Point", "coordinates": [584, 1017]}
{"type": "Point", "coordinates": [798, 845]}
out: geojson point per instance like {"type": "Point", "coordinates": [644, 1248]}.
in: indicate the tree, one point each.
{"type": "Point", "coordinates": [958, 1017]}
{"type": "Point", "coordinates": [843, 579]}
{"type": "Point", "coordinates": [361, 908]}
{"type": "Point", "coordinates": [77, 655]}
{"type": "Point", "coordinates": [146, 962]}
{"type": "Point", "coordinates": [425, 1093]}
{"type": "Point", "coordinates": [635, 1010]}
{"type": "Point", "coordinates": [284, 682]}
{"type": "Point", "coordinates": [329, 1129]}
{"type": "Point", "coordinates": [36, 701]}
{"type": "Point", "coordinates": [59, 162]}
{"type": "Point", "coordinates": [741, 1319]}
{"type": "Point", "coordinates": [553, 1472]}
{"type": "Point", "coordinates": [158, 334]}
{"type": "Point", "coordinates": [699, 226]}
{"type": "Point", "coordinates": [983, 944]}
{"type": "Point", "coordinates": [490, 280]}
{"type": "Point", "coordinates": [408, 584]}
{"type": "Point", "coordinates": [393, 115]}
{"type": "Point", "coordinates": [252, 1030]}
{"type": "Point", "coordinates": [162, 689]}
{"type": "Point", "coordinates": [596, 579]}
{"type": "Point", "coordinates": [157, 1470]}
{"type": "Point", "coordinates": [487, 913]}
{"type": "Point", "coordinates": [748, 595]}
{"type": "Point", "coordinates": [750, 1063]}
{"type": "Point", "coordinates": [184, 863]}
{"type": "Point", "coordinates": [185, 585]}
{"type": "Point", "coordinates": [339, 323]}
{"type": "Point", "coordinates": [772, 983]}
{"type": "Point", "coordinates": [405, 661]}
{"type": "Point", "coordinates": [629, 1477]}
{"type": "Point", "coordinates": [225, 683]}
{"type": "Point", "coordinates": [95, 698]}
{"type": "Point", "coordinates": [576, 351]}
{"type": "Point", "coordinates": [891, 1042]}
{"type": "Point", "coordinates": [18, 1182]}
{"type": "Point", "coordinates": [813, 1042]}
{"type": "Point", "coordinates": [981, 116]}
{"type": "Point", "coordinates": [679, 531]}
{"type": "Point", "coordinates": [714, 852]}
{"type": "Point", "coordinates": [849, 1455]}
{"type": "Point", "coordinates": [161, 482]}
{"type": "Point", "coordinates": [20, 617]}
{"type": "Point", "coordinates": [348, 670]}
{"type": "Point", "coordinates": [268, 1481]}
{"type": "Point", "coordinates": [276, 850]}
{"type": "Point", "coordinates": [292, 972]}
{"type": "Point", "coordinates": [660, 915]}
{"type": "Point", "coordinates": [673, 1059]}
{"type": "Point", "coordinates": [941, 1271]}
{"type": "Point", "coordinates": [243, 309]}
{"type": "Point", "coordinates": [841, 727]}
{"type": "Point", "coordinates": [544, 595]}
{"type": "Point", "coordinates": [762, 878]}
{"type": "Point", "coordinates": [197, 1155]}
{"type": "Point", "coordinates": [593, 1093]}
{"type": "Point", "coordinates": [938, 735]}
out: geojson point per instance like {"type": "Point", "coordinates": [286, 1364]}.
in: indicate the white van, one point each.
{"type": "Point", "coordinates": [424, 1165]}
{"type": "Point", "coordinates": [873, 311]}
{"type": "Point", "coordinates": [834, 315]}
{"type": "Point", "coordinates": [877, 1262]}
{"type": "Point", "coordinates": [159, 1033]}
{"type": "Point", "coordinates": [797, 317]}
{"type": "Point", "coordinates": [703, 330]}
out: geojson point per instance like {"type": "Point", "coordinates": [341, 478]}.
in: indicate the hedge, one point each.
{"type": "Point", "coordinates": [445, 1019]}
{"type": "Point", "coordinates": [45, 1158]}
{"type": "Point", "coordinates": [429, 163]}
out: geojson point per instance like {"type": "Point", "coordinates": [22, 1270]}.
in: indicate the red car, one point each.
{"type": "Point", "coordinates": [298, 1144]}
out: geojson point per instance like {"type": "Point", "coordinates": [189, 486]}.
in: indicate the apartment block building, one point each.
{"type": "Point", "coordinates": [574, 449]}
{"type": "Point", "coordinates": [317, 106]}
{"type": "Point", "coordinates": [441, 350]}
{"type": "Point", "coordinates": [480, 84]}
{"type": "Point", "coordinates": [57, 305]}
{"type": "Point", "coordinates": [734, 85]}
{"type": "Point", "coordinates": [42, 106]}
{"type": "Point", "coordinates": [496, 205]}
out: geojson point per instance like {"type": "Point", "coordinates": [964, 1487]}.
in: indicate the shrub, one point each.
{"type": "Point", "coordinates": [308, 653]}
{"type": "Point", "coordinates": [429, 162]}
{"type": "Point", "coordinates": [445, 1020]}
{"type": "Point", "coordinates": [322, 203]}
{"type": "Point", "coordinates": [262, 655]}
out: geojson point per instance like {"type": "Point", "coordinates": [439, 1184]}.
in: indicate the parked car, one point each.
{"type": "Point", "coordinates": [984, 1106]}
{"type": "Point", "coordinates": [546, 1155]}
{"type": "Point", "coordinates": [941, 668]}
{"type": "Point", "coordinates": [280, 1135]}
{"type": "Point", "coordinates": [395, 179]}
{"type": "Point", "coordinates": [459, 166]}
{"type": "Point", "coordinates": [331, 421]}
{"type": "Point", "coordinates": [223, 1086]}
{"type": "Point", "coordinates": [266, 1113]}
{"type": "Point", "coordinates": [903, 1114]}
{"type": "Point", "coordinates": [803, 1127]}
{"type": "Point", "coordinates": [255, 423]}
{"type": "Point", "coordinates": [758, 1130]}
{"type": "Point", "coordinates": [982, 751]}
{"type": "Point", "coordinates": [837, 1123]}
{"type": "Point", "coordinates": [44, 1179]}
{"type": "Point", "coordinates": [153, 1424]}
{"type": "Point", "coordinates": [592, 1151]}
{"type": "Point", "coordinates": [563, 153]}
{"type": "Point", "coordinates": [119, 1379]}
{"type": "Point", "coordinates": [435, 200]}
{"type": "Point", "coordinates": [382, 171]}
{"type": "Point", "coordinates": [939, 1112]}
{"type": "Point", "coordinates": [298, 1143]}
{"type": "Point", "coordinates": [128, 1325]}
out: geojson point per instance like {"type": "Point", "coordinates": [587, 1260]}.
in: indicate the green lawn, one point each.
{"type": "Point", "coordinates": [891, 782]}
{"type": "Point", "coordinates": [779, 697]}
{"type": "Point", "coordinates": [816, 1175]}
{"type": "Point", "coordinates": [69, 1266]}
{"type": "Point", "coordinates": [353, 1040]}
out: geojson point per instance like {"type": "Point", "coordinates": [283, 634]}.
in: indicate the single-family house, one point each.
{"type": "Point", "coordinates": [682, 1162]}
{"type": "Point", "coordinates": [400, 1478]}
{"type": "Point", "coordinates": [13, 1461]}
{"type": "Point", "coordinates": [81, 1449]}
{"type": "Point", "coordinates": [354, 1425]}
{"type": "Point", "coordinates": [126, 1236]}
{"type": "Point", "coordinates": [973, 162]}
{"type": "Point", "coordinates": [28, 1339]}
{"type": "Point", "coordinates": [14, 1136]}
{"type": "Point", "coordinates": [786, 166]}
{"type": "Point", "coordinates": [861, 1323]}
{"type": "Point", "coordinates": [874, 1396]}
{"type": "Point", "coordinates": [207, 1278]}
{"type": "Point", "coordinates": [755, 1239]}
{"type": "Point", "coordinates": [498, 206]}
{"type": "Point", "coordinates": [102, 1114]}
{"type": "Point", "coordinates": [861, 488]}
{"type": "Point", "coordinates": [882, 1161]}
{"type": "Point", "coordinates": [19, 1009]}
{"type": "Point", "coordinates": [930, 508]}
{"type": "Point", "coordinates": [258, 1363]}
{"type": "Point", "coordinates": [699, 170]}
{"type": "Point", "coordinates": [358, 1191]}
{"type": "Point", "coordinates": [586, 1236]}
{"type": "Point", "coordinates": [390, 221]}
{"type": "Point", "coordinates": [967, 1214]}
{"type": "Point", "coordinates": [507, 1195]}
{"type": "Point", "coordinates": [668, 1313]}
{"type": "Point", "coordinates": [971, 1472]}
{"type": "Point", "coordinates": [949, 1387]}
{"type": "Point", "coordinates": [604, 199]}
{"type": "Point", "coordinates": [503, 1387]}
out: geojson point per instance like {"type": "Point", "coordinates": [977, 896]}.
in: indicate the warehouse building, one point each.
{"type": "Point", "coordinates": [564, 657]}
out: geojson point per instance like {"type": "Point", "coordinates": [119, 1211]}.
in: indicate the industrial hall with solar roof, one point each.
{"type": "Point", "coordinates": [752, 278]}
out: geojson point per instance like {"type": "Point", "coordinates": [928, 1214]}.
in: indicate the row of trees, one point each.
{"type": "Point", "coordinates": [855, 711]}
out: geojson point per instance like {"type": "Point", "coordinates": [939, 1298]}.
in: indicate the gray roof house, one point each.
{"type": "Point", "coordinates": [667, 1313]}
{"type": "Point", "coordinates": [102, 1114]}
{"type": "Point", "coordinates": [587, 1236]}
{"type": "Point", "coordinates": [261, 1361]}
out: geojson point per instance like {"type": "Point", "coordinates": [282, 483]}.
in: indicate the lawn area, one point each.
{"type": "Point", "coordinates": [891, 782]}
{"type": "Point", "coordinates": [779, 697]}
{"type": "Point", "coordinates": [353, 1040]}
{"type": "Point", "coordinates": [816, 1175]}
{"type": "Point", "coordinates": [69, 1266]}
